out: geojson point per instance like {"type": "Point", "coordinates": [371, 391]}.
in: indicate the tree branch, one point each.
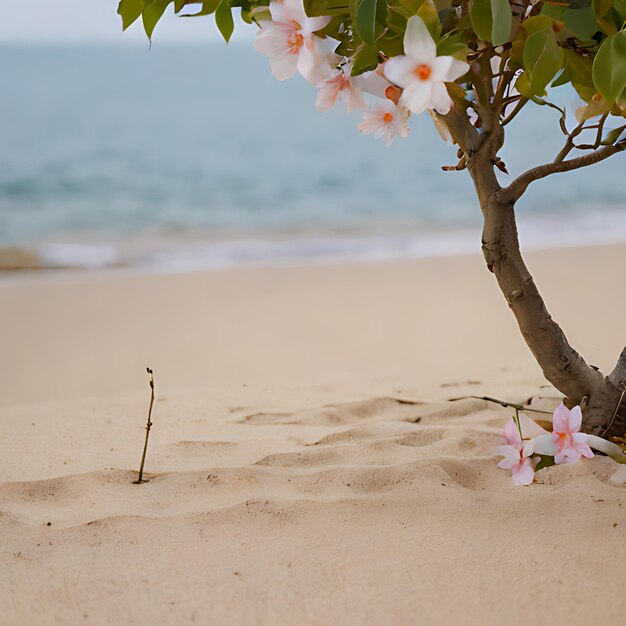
{"type": "Point", "coordinates": [561, 364]}
{"type": "Point", "coordinates": [618, 376]}
{"type": "Point", "coordinates": [461, 130]}
{"type": "Point", "coordinates": [514, 191]}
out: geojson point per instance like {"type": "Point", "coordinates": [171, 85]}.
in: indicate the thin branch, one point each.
{"type": "Point", "coordinates": [514, 191]}
{"type": "Point", "coordinates": [504, 403]}
{"type": "Point", "coordinates": [570, 144]}
{"type": "Point", "coordinates": [148, 425]}
{"type": "Point", "coordinates": [518, 107]}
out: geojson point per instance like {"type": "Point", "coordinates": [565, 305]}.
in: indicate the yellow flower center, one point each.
{"type": "Point", "coordinates": [295, 40]}
{"type": "Point", "coordinates": [423, 71]}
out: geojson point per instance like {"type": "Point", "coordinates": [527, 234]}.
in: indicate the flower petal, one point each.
{"type": "Point", "coordinates": [399, 70]}
{"type": "Point", "coordinates": [418, 44]}
{"type": "Point", "coordinates": [567, 454]}
{"type": "Point", "coordinates": [327, 96]}
{"type": "Point", "coordinates": [579, 441]}
{"type": "Point", "coordinates": [544, 445]}
{"type": "Point", "coordinates": [608, 447]}
{"type": "Point", "coordinates": [560, 419]}
{"type": "Point", "coordinates": [313, 24]}
{"type": "Point", "coordinates": [448, 69]}
{"type": "Point", "coordinates": [575, 419]}
{"type": "Point", "coordinates": [284, 66]}
{"type": "Point", "coordinates": [440, 99]}
{"type": "Point", "coordinates": [272, 39]}
{"type": "Point", "coordinates": [288, 10]}
{"type": "Point", "coordinates": [530, 428]}
{"type": "Point", "coordinates": [511, 434]}
{"type": "Point", "coordinates": [523, 473]}
{"type": "Point", "coordinates": [511, 456]}
{"type": "Point", "coordinates": [309, 63]}
{"type": "Point", "coordinates": [417, 96]}
{"type": "Point", "coordinates": [356, 101]}
{"type": "Point", "coordinates": [372, 82]}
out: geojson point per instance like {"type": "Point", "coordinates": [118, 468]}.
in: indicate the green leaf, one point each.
{"type": "Point", "coordinates": [536, 23]}
{"type": "Point", "coordinates": [208, 8]}
{"type": "Point", "coordinates": [413, 6]}
{"type": "Point", "coordinates": [603, 10]}
{"type": "Point", "coordinates": [152, 14]}
{"type": "Point", "coordinates": [451, 44]}
{"type": "Point", "coordinates": [482, 21]}
{"type": "Point", "coordinates": [502, 21]}
{"type": "Point", "coordinates": [613, 136]}
{"type": "Point", "coordinates": [179, 5]}
{"type": "Point", "coordinates": [129, 10]}
{"type": "Point", "coordinates": [430, 16]}
{"type": "Point", "coordinates": [543, 58]}
{"type": "Point", "coordinates": [365, 59]}
{"type": "Point", "coordinates": [224, 20]}
{"type": "Point", "coordinates": [562, 79]}
{"type": "Point", "coordinates": [609, 67]}
{"type": "Point", "coordinates": [555, 11]}
{"type": "Point", "coordinates": [579, 70]}
{"type": "Point", "coordinates": [620, 7]}
{"type": "Point", "coordinates": [492, 20]}
{"type": "Point", "coordinates": [581, 22]}
{"type": "Point", "coordinates": [522, 84]}
{"type": "Point", "coordinates": [365, 20]}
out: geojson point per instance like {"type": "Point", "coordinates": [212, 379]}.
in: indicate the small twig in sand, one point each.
{"type": "Point", "coordinates": [512, 405]}
{"type": "Point", "coordinates": [148, 425]}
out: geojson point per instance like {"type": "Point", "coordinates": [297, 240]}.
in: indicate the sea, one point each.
{"type": "Point", "coordinates": [178, 158]}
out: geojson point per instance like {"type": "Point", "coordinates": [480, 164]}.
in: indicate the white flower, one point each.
{"type": "Point", "coordinates": [290, 44]}
{"type": "Point", "coordinates": [421, 73]}
{"type": "Point", "coordinates": [386, 122]}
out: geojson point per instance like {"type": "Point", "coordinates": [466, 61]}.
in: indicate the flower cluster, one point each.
{"type": "Point", "coordinates": [527, 443]}
{"type": "Point", "coordinates": [410, 83]}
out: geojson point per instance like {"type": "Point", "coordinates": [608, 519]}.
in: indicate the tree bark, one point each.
{"type": "Point", "coordinates": [560, 363]}
{"type": "Point", "coordinates": [618, 376]}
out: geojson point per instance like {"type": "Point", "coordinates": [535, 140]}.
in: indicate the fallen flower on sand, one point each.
{"type": "Point", "coordinates": [516, 458]}
{"type": "Point", "coordinates": [565, 443]}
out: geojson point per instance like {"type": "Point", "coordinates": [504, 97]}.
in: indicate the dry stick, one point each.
{"type": "Point", "coordinates": [512, 405]}
{"type": "Point", "coordinates": [148, 425]}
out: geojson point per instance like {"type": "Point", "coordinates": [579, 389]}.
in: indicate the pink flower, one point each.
{"type": "Point", "coordinates": [517, 457]}
{"type": "Point", "coordinates": [570, 443]}
{"type": "Point", "coordinates": [342, 86]}
{"type": "Point", "coordinates": [289, 42]}
{"type": "Point", "coordinates": [386, 121]}
{"type": "Point", "coordinates": [339, 84]}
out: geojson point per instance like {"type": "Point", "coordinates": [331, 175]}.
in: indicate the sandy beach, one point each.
{"type": "Point", "coordinates": [314, 458]}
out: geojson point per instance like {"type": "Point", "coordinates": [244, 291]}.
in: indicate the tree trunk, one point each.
{"type": "Point", "coordinates": [561, 364]}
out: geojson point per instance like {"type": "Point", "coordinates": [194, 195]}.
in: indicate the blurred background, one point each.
{"type": "Point", "coordinates": [188, 154]}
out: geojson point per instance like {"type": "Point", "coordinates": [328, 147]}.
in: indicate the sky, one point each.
{"type": "Point", "coordinates": [96, 21]}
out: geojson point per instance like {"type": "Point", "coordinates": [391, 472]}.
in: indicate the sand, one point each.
{"type": "Point", "coordinates": [310, 462]}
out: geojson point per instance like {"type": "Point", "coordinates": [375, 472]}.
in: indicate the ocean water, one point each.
{"type": "Point", "coordinates": [179, 158]}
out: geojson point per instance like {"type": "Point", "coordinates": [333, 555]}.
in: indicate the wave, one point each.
{"type": "Point", "coordinates": [180, 253]}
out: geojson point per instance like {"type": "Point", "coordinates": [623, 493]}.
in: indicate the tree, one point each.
{"type": "Point", "coordinates": [473, 65]}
